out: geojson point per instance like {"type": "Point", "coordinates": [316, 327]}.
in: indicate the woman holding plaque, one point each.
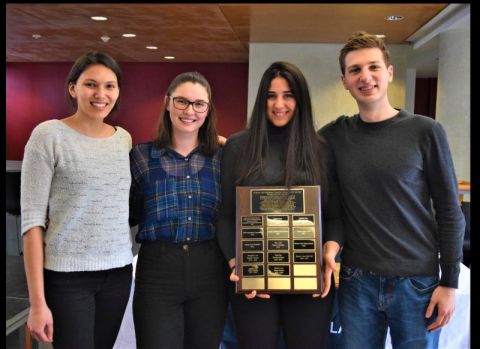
{"type": "Point", "coordinates": [278, 148]}
{"type": "Point", "coordinates": [180, 298]}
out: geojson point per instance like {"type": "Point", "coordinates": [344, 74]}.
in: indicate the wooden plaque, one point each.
{"type": "Point", "coordinates": [279, 239]}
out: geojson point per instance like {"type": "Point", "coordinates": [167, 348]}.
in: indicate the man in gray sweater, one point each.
{"type": "Point", "coordinates": [403, 221]}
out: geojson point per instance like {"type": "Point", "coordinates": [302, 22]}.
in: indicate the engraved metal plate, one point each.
{"type": "Point", "coordinates": [252, 257]}
{"type": "Point", "coordinates": [304, 257]}
{"type": "Point", "coordinates": [252, 245]}
{"type": "Point", "coordinates": [278, 239]}
{"type": "Point", "coordinates": [252, 221]}
{"type": "Point", "coordinates": [274, 245]}
{"type": "Point", "coordinates": [303, 244]}
{"type": "Point", "coordinates": [278, 257]}
{"type": "Point", "coordinates": [252, 270]}
{"type": "Point", "coordinates": [252, 233]}
{"type": "Point", "coordinates": [278, 270]}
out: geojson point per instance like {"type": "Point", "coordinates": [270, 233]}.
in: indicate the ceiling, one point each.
{"type": "Point", "coordinates": [195, 32]}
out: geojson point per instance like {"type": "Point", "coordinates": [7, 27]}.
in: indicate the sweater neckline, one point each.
{"type": "Point", "coordinates": [380, 124]}
{"type": "Point", "coordinates": [278, 132]}
{"type": "Point", "coordinates": [72, 130]}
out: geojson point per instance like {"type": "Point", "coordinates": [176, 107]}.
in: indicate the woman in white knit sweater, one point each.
{"type": "Point", "coordinates": [74, 200]}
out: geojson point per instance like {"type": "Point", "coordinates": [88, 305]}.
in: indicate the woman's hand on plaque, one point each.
{"type": "Point", "coordinates": [234, 278]}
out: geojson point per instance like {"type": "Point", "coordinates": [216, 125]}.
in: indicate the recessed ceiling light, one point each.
{"type": "Point", "coordinates": [36, 36]}
{"type": "Point", "coordinates": [99, 18]}
{"type": "Point", "coordinates": [105, 38]}
{"type": "Point", "coordinates": [152, 47]}
{"type": "Point", "coordinates": [129, 35]}
{"type": "Point", "coordinates": [394, 18]}
{"type": "Point", "coordinates": [169, 57]}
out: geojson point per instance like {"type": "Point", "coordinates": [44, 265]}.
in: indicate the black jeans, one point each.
{"type": "Point", "coordinates": [303, 320]}
{"type": "Point", "coordinates": [88, 306]}
{"type": "Point", "coordinates": [180, 296]}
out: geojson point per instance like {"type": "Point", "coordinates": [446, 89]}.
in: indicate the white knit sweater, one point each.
{"type": "Point", "coordinates": [81, 185]}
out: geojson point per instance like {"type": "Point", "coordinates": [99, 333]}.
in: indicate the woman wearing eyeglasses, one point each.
{"type": "Point", "coordinates": [180, 297]}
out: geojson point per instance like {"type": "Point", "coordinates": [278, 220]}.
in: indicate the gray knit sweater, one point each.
{"type": "Point", "coordinates": [80, 185]}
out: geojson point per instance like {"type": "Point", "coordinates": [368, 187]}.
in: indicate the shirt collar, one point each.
{"type": "Point", "coordinates": [157, 153]}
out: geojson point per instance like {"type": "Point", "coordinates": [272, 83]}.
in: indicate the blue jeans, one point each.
{"type": "Point", "coordinates": [371, 303]}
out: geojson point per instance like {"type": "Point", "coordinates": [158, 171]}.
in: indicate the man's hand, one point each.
{"type": "Point", "coordinates": [330, 250]}
{"type": "Point", "coordinates": [443, 298]}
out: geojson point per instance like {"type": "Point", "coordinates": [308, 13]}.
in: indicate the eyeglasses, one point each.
{"type": "Point", "coordinates": [182, 103]}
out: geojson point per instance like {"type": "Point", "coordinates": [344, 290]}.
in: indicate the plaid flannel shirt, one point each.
{"type": "Point", "coordinates": [174, 197]}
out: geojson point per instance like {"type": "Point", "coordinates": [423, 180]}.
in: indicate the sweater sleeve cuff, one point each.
{"type": "Point", "coordinates": [450, 274]}
{"type": "Point", "coordinates": [229, 254]}
{"type": "Point", "coordinates": [334, 231]}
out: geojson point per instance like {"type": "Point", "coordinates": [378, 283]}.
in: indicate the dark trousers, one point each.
{"type": "Point", "coordinates": [303, 320]}
{"type": "Point", "coordinates": [180, 296]}
{"type": "Point", "coordinates": [87, 307]}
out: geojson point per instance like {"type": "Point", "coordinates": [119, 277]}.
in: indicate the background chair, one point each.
{"type": "Point", "coordinates": [12, 208]}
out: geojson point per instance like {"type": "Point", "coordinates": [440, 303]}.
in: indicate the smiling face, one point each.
{"type": "Point", "coordinates": [96, 91]}
{"type": "Point", "coordinates": [280, 102]}
{"type": "Point", "coordinates": [188, 120]}
{"type": "Point", "coordinates": [367, 77]}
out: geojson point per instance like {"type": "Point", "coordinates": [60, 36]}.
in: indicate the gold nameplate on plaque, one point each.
{"type": "Point", "coordinates": [279, 239]}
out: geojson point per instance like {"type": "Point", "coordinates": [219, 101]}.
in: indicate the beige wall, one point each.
{"type": "Point", "coordinates": [453, 94]}
{"type": "Point", "coordinates": [319, 63]}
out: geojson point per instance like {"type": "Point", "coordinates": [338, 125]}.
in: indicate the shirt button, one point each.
{"type": "Point", "coordinates": [189, 218]}
{"type": "Point", "coordinates": [188, 239]}
{"type": "Point", "coordinates": [189, 196]}
{"type": "Point", "coordinates": [186, 159]}
{"type": "Point", "coordinates": [185, 247]}
{"type": "Point", "coordinates": [188, 177]}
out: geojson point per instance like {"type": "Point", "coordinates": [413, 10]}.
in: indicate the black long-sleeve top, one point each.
{"type": "Point", "coordinates": [273, 174]}
{"type": "Point", "coordinates": [400, 196]}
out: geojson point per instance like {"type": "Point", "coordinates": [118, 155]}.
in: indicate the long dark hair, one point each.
{"type": "Point", "coordinates": [304, 162]}
{"type": "Point", "coordinates": [207, 135]}
{"type": "Point", "coordinates": [82, 63]}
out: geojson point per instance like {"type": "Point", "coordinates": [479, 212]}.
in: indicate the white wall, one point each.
{"type": "Point", "coordinates": [453, 93]}
{"type": "Point", "coordinates": [319, 64]}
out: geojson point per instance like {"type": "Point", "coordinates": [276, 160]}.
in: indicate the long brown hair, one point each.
{"type": "Point", "coordinates": [207, 135]}
{"type": "Point", "coordinates": [304, 162]}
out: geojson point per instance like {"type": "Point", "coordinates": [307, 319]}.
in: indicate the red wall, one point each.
{"type": "Point", "coordinates": [35, 92]}
{"type": "Point", "coordinates": [425, 96]}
